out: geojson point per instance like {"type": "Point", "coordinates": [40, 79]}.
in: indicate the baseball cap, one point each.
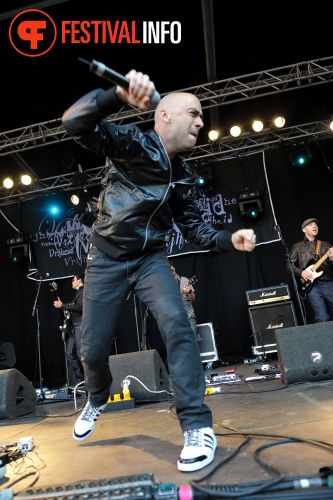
{"type": "Point", "coordinates": [307, 221]}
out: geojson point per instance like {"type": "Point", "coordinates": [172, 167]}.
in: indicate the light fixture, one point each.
{"type": "Point", "coordinates": [257, 126]}
{"type": "Point", "coordinates": [75, 199]}
{"type": "Point", "coordinates": [235, 131]}
{"type": "Point", "coordinates": [331, 125]}
{"type": "Point", "coordinates": [301, 156]}
{"type": "Point", "coordinates": [279, 122]}
{"type": "Point", "coordinates": [26, 180]}
{"type": "Point", "coordinates": [213, 135]}
{"type": "Point", "coordinates": [8, 183]}
{"type": "Point", "coordinates": [250, 204]}
{"type": "Point", "coordinates": [18, 248]}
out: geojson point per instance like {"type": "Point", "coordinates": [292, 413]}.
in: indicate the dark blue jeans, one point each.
{"type": "Point", "coordinates": [107, 285]}
{"type": "Point", "coordinates": [321, 300]}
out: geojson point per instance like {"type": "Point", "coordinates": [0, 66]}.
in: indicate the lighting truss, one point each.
{"type": "Point", "coordinates": [228, 147]}
{"type": "Point", "coordinates": [214, 94]}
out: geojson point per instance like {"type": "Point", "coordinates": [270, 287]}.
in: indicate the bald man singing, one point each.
{"type": "Point", "coordinates": [147, 187]}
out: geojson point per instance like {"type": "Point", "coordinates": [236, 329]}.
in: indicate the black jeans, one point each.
{"type": "Point", "coordinates": [73, 351]}
{"type": "Point", "coordinates": [107, 284]}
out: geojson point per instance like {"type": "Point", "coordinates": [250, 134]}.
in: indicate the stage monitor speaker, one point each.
{"type": "Point", "coordinates": [7, 355]}
{"type": "Point", "coordinates": [17, 394]}
{"type": "Point", "coordinates": [266, 321]}
{"type": "Point", "coordinates": [147, 366]}
{"type": "Point", "coordinates": [305, 353]}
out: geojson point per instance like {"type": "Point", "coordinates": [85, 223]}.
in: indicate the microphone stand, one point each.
{"type": "Point", "coordinates": [144, 330]}
{"type": "Point", "coordinates": [41, 396]}
{"type": "Point", "coordinates": [290, 266]}
{"type": "Point", "coordinates": [140, 347]}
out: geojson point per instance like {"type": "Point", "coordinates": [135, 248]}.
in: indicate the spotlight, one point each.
{"type": "Point", "coordinates": [213, 135]}
{"type": "Point", "coordinates": [235, 131]}
{"type": "Point", "coordinates": [257, 126]}
{"type": "Point", "coordinates": [300, 157]}
{"type": "Point", "coordinates": [75, 199]}
{"type": "Point", "coordinates": [8, 183]}
{"type": "Point", "coordinates": [26, 180]}
{"type": "Point", "coordinates": [18, 248]}
{"type": "Point", "coordinates": [279, 122]}
{"type": "Point", "coordinates": [18, 253]}
{"type": "Point", "coordinates": [201, 181]}
{"type": "Point", "coordinates": [249, 203]}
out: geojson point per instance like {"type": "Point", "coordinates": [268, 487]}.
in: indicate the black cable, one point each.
{"type": "Point", "coordinates": [36, 473]}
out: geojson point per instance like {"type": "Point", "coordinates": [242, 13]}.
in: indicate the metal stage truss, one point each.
{"type": "Point", "coordinates": [301, 75]}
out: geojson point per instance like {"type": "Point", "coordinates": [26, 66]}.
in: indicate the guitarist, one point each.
{"type": "Point", "coordinates": [188, 296]}
{"type": "Point", "coordinates": [317, 283]}
{"type": "Point", "coordinates": [74, 308]}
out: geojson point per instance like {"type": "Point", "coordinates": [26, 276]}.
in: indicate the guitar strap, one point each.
{"type": "Point", "coordinates": [317, 251]}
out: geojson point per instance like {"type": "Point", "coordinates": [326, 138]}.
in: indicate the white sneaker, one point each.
{"type": "Point", "coordinates": [199, 449]}
{"type": "Point", "coordinates": [85, 424]}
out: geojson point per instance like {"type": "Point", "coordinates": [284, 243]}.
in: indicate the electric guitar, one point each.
{"type": "Point", "coordinates": [191, 281]}
{"type": "Point", "coordinates": [66, 327]}
{"type": "Point", "coordinates": [312, 266]}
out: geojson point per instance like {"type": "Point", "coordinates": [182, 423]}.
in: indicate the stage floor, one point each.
{"type": "Point", "coordinates": [287, 427]}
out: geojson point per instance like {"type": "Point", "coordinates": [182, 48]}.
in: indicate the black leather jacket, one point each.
{"type": "Point", "coordinates": [75, 307]}
{"type": "Point", "coordinates": [302, 255]}
{"type": "Point", "coordinates": [142, 192]}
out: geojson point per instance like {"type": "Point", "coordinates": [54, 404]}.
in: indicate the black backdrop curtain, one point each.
{"type": "Point", "coordinates": [290, 195]}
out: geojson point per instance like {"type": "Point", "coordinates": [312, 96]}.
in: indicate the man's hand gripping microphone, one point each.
{"type": "Point", "coordinates": [112, 76]}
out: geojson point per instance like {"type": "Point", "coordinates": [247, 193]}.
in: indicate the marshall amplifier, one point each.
{"type": "Point", "coordinates": [268, 295]}
{"type": "Point", "coordinates": [265, 320]}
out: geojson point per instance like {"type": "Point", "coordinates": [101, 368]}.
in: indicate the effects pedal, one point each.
{"type": "Point", "coordinates": [26, 443]}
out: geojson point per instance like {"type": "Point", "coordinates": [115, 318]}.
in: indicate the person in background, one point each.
{"type": "Point", "coordinates": [187, 293]}
{"type": "Point", "coordinates": [147, 188]}
{"type": "Point", "coordinates": [316, 284]}
{"type": "Point", "coordinates": [74, 308]}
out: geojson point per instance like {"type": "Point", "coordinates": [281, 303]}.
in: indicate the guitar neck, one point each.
{"type": "Point", "coordinates": [320, 261]}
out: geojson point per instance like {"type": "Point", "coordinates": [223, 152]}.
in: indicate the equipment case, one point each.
{"type": "Point", "coordinates": [206, 342]}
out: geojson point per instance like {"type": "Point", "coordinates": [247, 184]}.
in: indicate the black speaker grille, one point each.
{"type": "Point", "coordinates": [266, 320]}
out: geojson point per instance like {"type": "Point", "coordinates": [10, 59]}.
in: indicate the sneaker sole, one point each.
{"type": "Point", "coordinates": [193, 465]}
{"type": "Point", "coordinates": [79, 437]}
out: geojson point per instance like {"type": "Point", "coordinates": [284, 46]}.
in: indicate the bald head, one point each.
{"type": "Point", "coordinates": [176, 100]}
{"type": "Point", "coordinates": [178, 120]}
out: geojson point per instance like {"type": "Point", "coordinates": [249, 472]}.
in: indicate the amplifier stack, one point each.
{"type": "Point", "coordinates": [269, 309]}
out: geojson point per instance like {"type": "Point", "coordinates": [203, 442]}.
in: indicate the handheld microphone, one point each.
{"type": "Point", "coordinates": [109, 74]}
{"type": "Point", "coordinates": [42, 275]}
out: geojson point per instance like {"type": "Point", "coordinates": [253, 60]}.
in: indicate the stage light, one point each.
{"type": "Point", "coordinates": [235, 131]}
{"type": "Point", "coordinates": [75, 199]}
{"type": "Point", "coordinates": [250, 204]}
{"type": "Point", "coordinates": [279, 122]}
{"type": "Point", "coordinates": [8, 183]}
{"type": "Point", "coordinates": [18, 248]}
{"type": "Point", "coordinates": [257, 126]}
{"type": "Point", "coordinates": [18, 253]}
{"type": "Point", "coordinates": [26, 180]}
{"type": "Point", "coordinates": [213, 135]}
{"type": "Point", "coordinates": [201, 180]}
{"type": "Point", "coordinates": [300, 157]}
